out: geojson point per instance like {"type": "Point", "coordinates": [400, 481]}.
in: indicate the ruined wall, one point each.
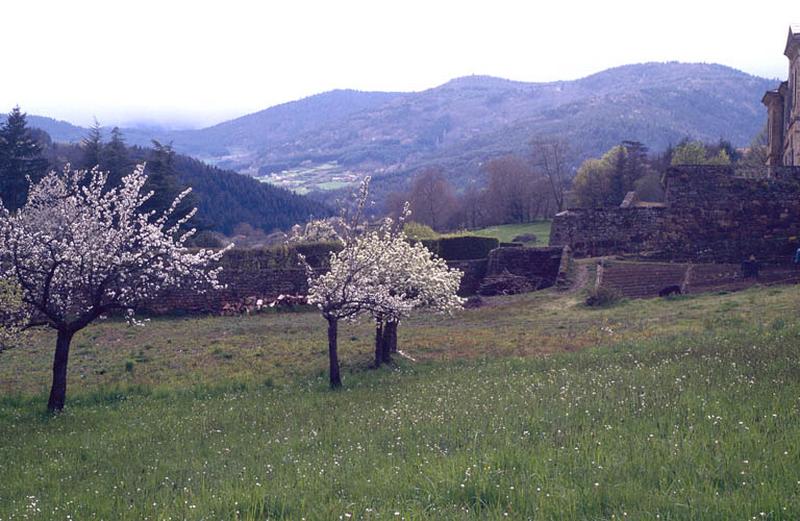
{"type": "Point", "coordinates": [246, 273]}
{"type": "Point", "coordinates": [592, 232]}
{"type": "Point", "coordinates": [711, 215]}
{"type": "Point", "coordinates": [265, 274]}
{"type": "Point", "coordinates": [540, 265]}
{"type": "Point", "coordinates": [474, 272]}
{"type": "Point", "coordinates": [715, 216]}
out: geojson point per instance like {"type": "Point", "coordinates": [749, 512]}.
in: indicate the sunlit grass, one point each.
{"type": "Point", "coordinates": [507, 232]}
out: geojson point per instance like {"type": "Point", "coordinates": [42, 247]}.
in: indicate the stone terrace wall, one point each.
{"type": "Point", "coordinates": [266, 274]}
{"type": "Point", "coordinates": [715, 216]}
{"type": "Point", "coordinates": [536, 264]}
{"type": "Point", "coordinates": [606, 231]}
{"type": "Point", "coordinates": [246, 273]}
{"type": "Point", "coordinates": [474, 273]}
{"type": "Point", "coordinates": [711, 215]}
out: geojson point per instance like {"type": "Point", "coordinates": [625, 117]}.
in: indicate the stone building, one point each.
{"type": "Point", "coordinates": [783, 107]}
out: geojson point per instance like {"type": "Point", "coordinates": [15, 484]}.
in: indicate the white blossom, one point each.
{"type": "Point", "coordinates": [79, 249]}
{"type": "Point", "coordinates": [379, 272]}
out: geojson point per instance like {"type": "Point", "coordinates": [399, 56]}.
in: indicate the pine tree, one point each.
{"type": "Point", "coordinates": [92, 147]}
{"type": "Point", "coordinates": [163, 181]}
{"type": "Point", "coordinates": [115, 158]}
{"type": "Point", "coordinates": [20, 158]}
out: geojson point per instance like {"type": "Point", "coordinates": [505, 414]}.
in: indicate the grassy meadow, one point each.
{"type": "Point", "coordinates": [507, 232]}
{"type": "Point", "coordinates": [533, 407]}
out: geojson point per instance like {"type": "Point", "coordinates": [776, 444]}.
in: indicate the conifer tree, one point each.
{"type": "Point", "coordinates": [20, 158]}
{"type": "Point", "coordinates": [115, 157]}
{"type": "Point", "coordinates": [164, 182]}
{"type": "Point", "coordinates": [92, 147]}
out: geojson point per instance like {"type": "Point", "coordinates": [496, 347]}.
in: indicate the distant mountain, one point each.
{"type": "Point", "coordinates": [324, 141]}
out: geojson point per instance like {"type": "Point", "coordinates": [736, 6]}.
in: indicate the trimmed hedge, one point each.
{"type": "Point", "coordinates": [467, 247]}
{"type": "Point", "coordinates": [317, 253]}
{"type": "Point", "coordinates": [431, 244]}
{"type": "Point", "coordinates": [461, 248]}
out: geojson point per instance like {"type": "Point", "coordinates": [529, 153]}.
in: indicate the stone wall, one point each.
{"type": "Point", "coordinates": [540, 265]}
{"type": "Point", "coordinates": [711, 215]}
{"type": "Point", "coordinates": [593, 232]}
{"type": "Point", "coordinates": [474, 273]}
{"type": "Point", "coordinates": [715, 216]}
{"type": "Point", "coordinates": [266, 274]}
{"type": "Point", "coordinates": [262, 274]}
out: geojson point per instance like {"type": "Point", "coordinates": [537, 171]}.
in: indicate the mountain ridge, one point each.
{"type": "Point", "coordinates": [330, 138]}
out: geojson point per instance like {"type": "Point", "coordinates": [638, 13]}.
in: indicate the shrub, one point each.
{"type": "Point", "coordinates": [603, 297]}
{"type": "Point", "coordinates": [416, 231]}
{"type": "Point", "coordinates": [526, 237]}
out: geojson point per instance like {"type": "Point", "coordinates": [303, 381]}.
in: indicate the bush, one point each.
{"type": "Point", "coordinates": [526, 237]}
{"type": "Point", "coordinates": [418, 232]}
{"type": "Point", "coordinates": [603, 297]}
{"type": "Point", "coordinates": [508, 284]}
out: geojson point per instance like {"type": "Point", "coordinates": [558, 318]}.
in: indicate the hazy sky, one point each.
{"type": "Point", "coordinates": [197, 63]}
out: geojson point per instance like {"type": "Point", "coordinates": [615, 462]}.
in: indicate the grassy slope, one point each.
{"type": "Point", "coordinates": [690, 411]}
{"type": "Point", "coordinates": [507, 232]}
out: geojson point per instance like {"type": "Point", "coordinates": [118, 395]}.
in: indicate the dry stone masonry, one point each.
{"type": "Point", "coordinates": [262, 275]}
{"type": "Point", "coordinates": [711, 215]}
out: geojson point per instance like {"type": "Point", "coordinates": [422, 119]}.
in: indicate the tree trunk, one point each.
{"type": "Point", "coordinates": [378, 342]}
{"type": "Point", "coordinates": [393, 337]}
{"type": "Point", "coordinates": [333, 355]}
{"type": "Point", "coordinates": [389, 341]}
{"type": "Point", "coordinates": [58, 392]}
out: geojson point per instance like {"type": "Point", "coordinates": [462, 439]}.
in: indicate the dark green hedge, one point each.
{"type": "Point", "coordinates": [317, 253]}
{"type": "Point", "coordinates": [431, 244]}
{"type": "Point", "coordinates": [467, 247]}
{"type": "Point", "coordinates": [461, 248]}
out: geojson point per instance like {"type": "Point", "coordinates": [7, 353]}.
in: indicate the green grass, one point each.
{"type": "Point", "coordinates": [679, 409]}
{"type": "Point", "coordinates": [507, 232]}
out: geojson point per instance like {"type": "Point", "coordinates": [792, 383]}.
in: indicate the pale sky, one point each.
{"type": "Point", "coordinates": [199, 62]}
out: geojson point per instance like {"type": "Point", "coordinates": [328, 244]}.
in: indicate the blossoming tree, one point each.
{"type": "Point", "coordinates": [13, 316]}
{"type": "Point", "coordinates": [378, 272]}
{"type": "Point", "coordinates": [423, 280]}
{"type": "Point", "coordinates": [79, 249]}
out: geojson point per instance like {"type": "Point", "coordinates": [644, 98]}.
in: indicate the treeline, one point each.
{"type": "Point", "coordinates": [224, 198]}
{"type": "Point", "coordinates": [629, 167]}
{"type": "Point", "coordinates": [516, 189]}
{"type": "Point", "coordinates": [520, 189]}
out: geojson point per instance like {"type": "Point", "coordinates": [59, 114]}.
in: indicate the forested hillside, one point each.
{"type": "Point", "coordinates": [224, 198]}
